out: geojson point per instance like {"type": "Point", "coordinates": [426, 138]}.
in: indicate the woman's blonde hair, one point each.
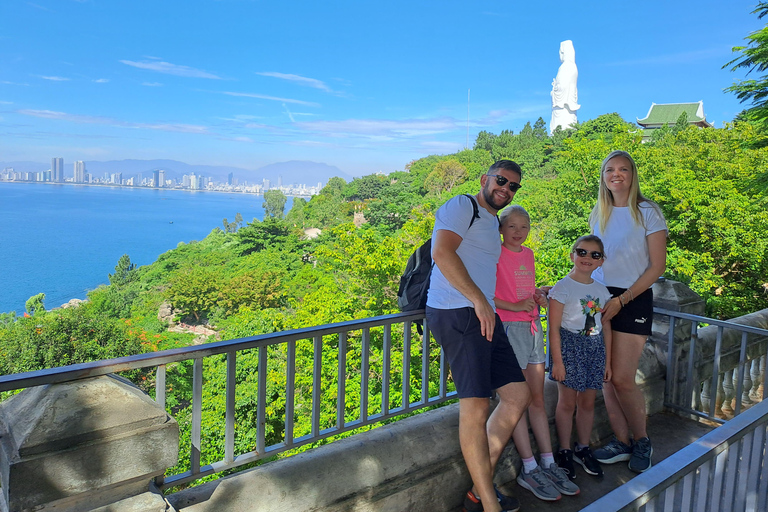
{"type": "Point", "coordinates": [604, 206]}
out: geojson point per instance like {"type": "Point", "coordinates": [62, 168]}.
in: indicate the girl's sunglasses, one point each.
{"type": "Point", "coordinates": [501, 181]}
{"type": "Point", "coordinates": [596, 255]}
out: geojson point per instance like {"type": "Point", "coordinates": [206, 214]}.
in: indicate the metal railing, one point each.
{"type": "Point", "coordinates": [726, 469]}
{"type": "Point", "coordinates": [716, 371]}
{"type": "Point", "coordinates": [421, 371]}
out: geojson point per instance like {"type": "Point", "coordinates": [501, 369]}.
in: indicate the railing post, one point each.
{"type": "Point", "coordinates": [671, 341]}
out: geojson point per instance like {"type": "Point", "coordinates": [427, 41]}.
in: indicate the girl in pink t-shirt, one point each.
{"type": "Point", "coordinates": [517, 303]}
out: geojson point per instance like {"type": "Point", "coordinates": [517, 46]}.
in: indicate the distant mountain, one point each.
{"type": "Point", "coordinates": [294, 171]}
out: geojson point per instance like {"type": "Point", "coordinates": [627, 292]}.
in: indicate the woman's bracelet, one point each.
{"type": "Point", "coordinates": [631, 295]}
{"type": "Point", "coordinates": [622, 300]}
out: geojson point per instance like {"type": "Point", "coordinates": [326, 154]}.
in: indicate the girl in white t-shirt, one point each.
{"type": "Point", "coordinates": [580, 346]}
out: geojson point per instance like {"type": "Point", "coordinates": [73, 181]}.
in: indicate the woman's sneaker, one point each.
{"type": "Point", "coordinates": [560, 480]}
{"type": "Point", "coordinates": [587, 461]}
{"type": "Point", "coordinates": [614, 451]}
{"type": "Point", "coordinates": [641, 456]}
{"type": "Point", "coordinates": [564, 459]}
{"type": "Point", "coordinates": [537, 482]}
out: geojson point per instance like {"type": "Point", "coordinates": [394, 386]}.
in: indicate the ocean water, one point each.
{"type": "Point", "coordinates": [63, 240]}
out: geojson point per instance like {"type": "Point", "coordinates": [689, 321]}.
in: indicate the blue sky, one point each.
{"type": "Point", "coordinates": [365, 86]}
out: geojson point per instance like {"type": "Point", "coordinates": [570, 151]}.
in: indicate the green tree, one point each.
{"type": "Point", "coordinates": [681, 123]}
{"type": "Point", "coordinates": [253, 289]}
{"type": "Point", "coordinates": [369, 187]}
{"type": "Point", "coordinates": [35, 304]}
{"type": "Point", "coordinates": [195, 290]}
{"type": "Point", "coordinates": [484, 141]}
{"type": "Point", "coordinates": [296, 214]}
{"type": "Point", "coordinates": [232, 227]}
{"type": "Point", "coordinates": [274, 204]}
{"type": "Point", "coordinates": [753, 57]}
{"type": "Point", "coordinates": [446, 175]}
{"type": "Point", "coordinates": [125, 272]}
{"type": "Point", "coordinates": [271, 232]}
{"type": "Point", "coordinates": [606, 125]}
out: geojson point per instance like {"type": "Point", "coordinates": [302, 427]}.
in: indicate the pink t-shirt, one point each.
{"type": "Point", "coordinates": [516, 281]}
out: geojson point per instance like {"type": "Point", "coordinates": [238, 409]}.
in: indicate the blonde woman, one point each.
{"type": "Point", "coordinates": [634, 232]}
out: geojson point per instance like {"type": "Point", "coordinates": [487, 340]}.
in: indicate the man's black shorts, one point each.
{"type": "Point", "coordinates": [478, 366]}
{"type": "Point", "coordinates": [637, 316]}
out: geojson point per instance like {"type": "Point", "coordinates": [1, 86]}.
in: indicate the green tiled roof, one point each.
{"type": "Point", "coordinates": [669, 113]}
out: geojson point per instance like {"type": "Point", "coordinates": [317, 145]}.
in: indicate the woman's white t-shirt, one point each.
{"type": "Point", "coordinates": [626, 249]}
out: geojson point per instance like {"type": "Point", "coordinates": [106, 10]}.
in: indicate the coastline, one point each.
{"type": "Point", "coordinates": [139, 187]}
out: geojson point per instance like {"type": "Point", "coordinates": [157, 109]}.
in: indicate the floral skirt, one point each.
{"type": "Point", "coordinates": [584, 360]}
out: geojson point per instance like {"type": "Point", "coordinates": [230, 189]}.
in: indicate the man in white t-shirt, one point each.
{"type": "Point", "coordinates": [462, 317]}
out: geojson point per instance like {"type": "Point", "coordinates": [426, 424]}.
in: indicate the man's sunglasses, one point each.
{"type": "Point", "coordinates": [501, 181]}
{"type": "Point", "coordinates": [596, 255]}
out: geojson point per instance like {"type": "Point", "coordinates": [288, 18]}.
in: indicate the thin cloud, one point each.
{"type": "Point", "coordinates": [54, 78]}
{"type": "Point", "coordinates": [152, 84]}
{"type": "Point", "coordinates": [271, 98]}
{"type": "Point", "coordinates": [377, 128]}
{"type": "Point", "coordinates": [101, 80]}
{"type": "Point", "coordinates": [171, 69]}
{"type": "Point", "coordinates": [75, 118]}
{"type": "Point", "coordinates": [301, 80]}
{"type": "Point", "coordinates": [290, 116]}
{"type": "Point", "coordinates": [40, 7]}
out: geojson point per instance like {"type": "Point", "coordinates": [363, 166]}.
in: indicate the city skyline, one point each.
{"type": "Point", "coordinates": [156, 179]}
{"type": "Point", "coordinates": [363, 87]}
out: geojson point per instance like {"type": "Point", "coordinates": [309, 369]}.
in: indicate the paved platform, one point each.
{"type": "Point", "coordinates": [669, 434]}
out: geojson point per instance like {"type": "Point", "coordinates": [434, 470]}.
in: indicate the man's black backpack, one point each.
{"type": "Point", "coordinates": [414, 283]}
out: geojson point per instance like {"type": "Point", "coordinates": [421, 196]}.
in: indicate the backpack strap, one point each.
{"type": "Point", "coordinates": [475, 210]}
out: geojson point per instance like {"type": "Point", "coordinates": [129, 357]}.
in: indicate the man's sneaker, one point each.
{"type": "Point", "coordinates": [564, 459]}
{"type": "Point", "coordinates": [560, 480]}
{"type": "Point", "coordinates": [587, 461]}
{"type": "Point", "coordinates": [641, 456]}
{"type": "Point", "coordinates": [614, 451]}
{"type": "Point", "coordinates": [508, 503]}
{"type": "Point", "coordinates": [538, 484]}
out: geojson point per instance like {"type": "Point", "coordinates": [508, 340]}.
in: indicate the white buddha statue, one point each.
{"type": "Point", "coordinates": [564, 95]}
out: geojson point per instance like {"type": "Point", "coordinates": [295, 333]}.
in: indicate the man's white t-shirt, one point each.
{"type": "Point", "coordinates": [626, 250]}
{"type": "Point", "coordinates": [479, 251]}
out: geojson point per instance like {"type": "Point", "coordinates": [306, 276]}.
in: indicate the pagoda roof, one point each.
{"type": "Point", "coordinates": [667, 113]}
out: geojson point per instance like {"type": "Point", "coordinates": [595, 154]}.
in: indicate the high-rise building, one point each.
{"type": "Point", "coordinates": [79, 169]}
{"type": "Point", "coordinates": [280, 181]}
{"type": "Point", "coordinates": [230, 178]}
{"type": "Point", "coordinates": [156, 178]}
{"type": "Point", "coordinates": [57, 169]}
{"type": "Point", "coordinates": [161, 177]}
